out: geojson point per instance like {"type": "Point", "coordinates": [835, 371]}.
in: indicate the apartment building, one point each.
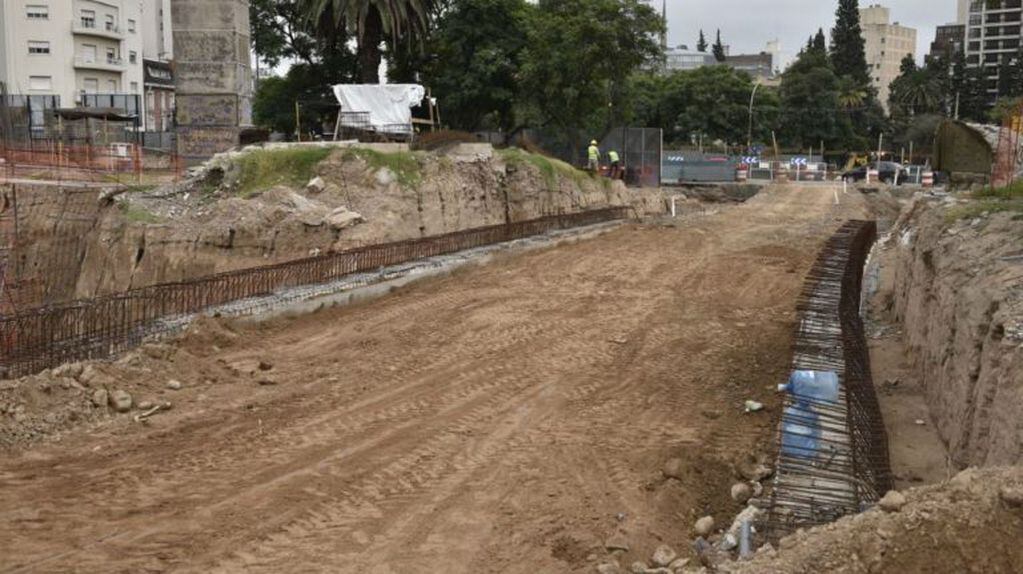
{"type": "Point", "coordinates": [994, 30]}
{"type": "Point", "coordinates": [84, 52]}
{"type": "Point", "coordinates": [886, 45]}
{"type": "Point", "coordinates": [158, 74]}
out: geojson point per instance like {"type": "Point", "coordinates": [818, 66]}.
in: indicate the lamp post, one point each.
{"type": "Point", "coordinates": [749, 133]}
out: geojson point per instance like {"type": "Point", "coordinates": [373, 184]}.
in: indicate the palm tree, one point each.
{"type": "Point", "coordinates": [851, 94]}
{"type": "Point", "coordinates": [372, 22]}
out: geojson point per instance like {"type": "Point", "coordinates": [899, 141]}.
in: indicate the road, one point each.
{"type": "Point", "coordinates": [508, 418]}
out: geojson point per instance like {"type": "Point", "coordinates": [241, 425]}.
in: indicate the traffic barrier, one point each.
{"type": "Point", "coordinates": [742, 174]}
{"type": "Point", "coordinates": [873, 176]}
{"type": "Point", "coordinates": [927, 179]}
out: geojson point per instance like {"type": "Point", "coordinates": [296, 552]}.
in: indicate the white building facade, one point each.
{"type": "Point", "coordinates": [84, 52]}
{"type": "Point", "coordinates": [886, 44]}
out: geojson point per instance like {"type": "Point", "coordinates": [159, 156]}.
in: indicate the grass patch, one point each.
{"type": "Point", "coordinates": [990, 200]}
{"type": "Point", "coordinates": [550, 169]}
{"type": "Point", "coordinates": [403, 164]}
{"type": "Point", "coordinates": [136, 214]}
{"type": "Point", "coordinates": [1012, 192]}
{"type": "Point", "coordinates": [262, 169]}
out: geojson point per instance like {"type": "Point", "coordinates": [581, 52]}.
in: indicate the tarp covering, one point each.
{"type": "Point", "coordinates": [380, 107]}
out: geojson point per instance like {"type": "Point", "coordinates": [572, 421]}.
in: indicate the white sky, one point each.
{"type": "Point", "coordinates": [747, 25]}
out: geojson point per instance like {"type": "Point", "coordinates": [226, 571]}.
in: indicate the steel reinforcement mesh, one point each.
{"type": "Point", "coordinates": [845, 469]}
{"type": "Point", "coordinates": [47, 336]}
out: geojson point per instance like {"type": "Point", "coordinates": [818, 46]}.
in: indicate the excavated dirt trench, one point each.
{"type": "Point", "coordinates": [510, 418]}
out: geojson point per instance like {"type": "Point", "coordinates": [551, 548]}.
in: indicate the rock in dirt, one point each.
{"type": "Point", "coordinates": [893, 501]}
{"type": "Point", "coordinates": [664, 555]}
{"type": "Point", "coordinates": [1012, 496]}
{"type": "Point", "coordinates": [679, 564]}
{"type": "Point", "coordinates": [316, 185]}
{"type": "Point", "coordinates": [673, 468]}
{"type": "Point", "coordinates": [174, 385]}
{"type": "Point", "coordinates": [100, 398]}
{"type": "Point", "coordinates": [93, 377]}
{"type": "Point", "coordinates": [266, 381]}
{"type": "Point", "coordinates": [741, 492]}
{"type": "Point", "coordinates": [704, 526]}
{"type": "Point", "coordinates": [617, 542]}
{"type": "Point", "coordinates": [638, 568]}
{"type": "Point", "coordinates": [146, 405]}
{"type": "Point", "coordinates": [265, 366]}
{"type": "Point", "coordinates": [609, 568]}
{"type": "Point", "coordinates": [343, 218]}
{"type": "Point", "coordinates": [121, 401]}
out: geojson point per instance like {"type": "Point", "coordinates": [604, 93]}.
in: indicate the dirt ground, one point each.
{"type": "Point", "coordinates": [509, 418]}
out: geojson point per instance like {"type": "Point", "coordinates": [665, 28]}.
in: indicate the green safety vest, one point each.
{"type": "Point", "coordinates": [613, 155]}
{"type": "Point", "coordinates": [594, 152]}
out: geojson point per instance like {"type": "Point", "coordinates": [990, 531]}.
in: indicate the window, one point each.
{"type": "Point", "coordinates": [39, 48]}
{"type": "Point", "coordinates": [133, 57]}
{"type": "Point", "coordinates": [134, 87]}
{"type": "Point", "coordinates": [111, 56]}
{"type": "Point", "coordinates": [40, 83]}
{"type": "Point", "coordinates": [112, 86]}
{"type": "Point", "coordinates": [90, 85]}
{"type": "Point", "coordinates": [131, 26]}
{"type": "Point", "coordinates": [110, 23]}
{"type": "Point", "coordinates": [37, 12]}
{"type": "Point", "coordinates": [88, 53]}
{"type": "Point", "coordinates": [88, 18]}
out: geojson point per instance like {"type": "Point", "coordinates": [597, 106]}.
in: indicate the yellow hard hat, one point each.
{"type": "Point", "coordinates": [594, 142]}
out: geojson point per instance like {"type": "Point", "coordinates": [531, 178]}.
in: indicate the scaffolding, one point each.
{"type": "Point", "coordinates": [1008, 161]}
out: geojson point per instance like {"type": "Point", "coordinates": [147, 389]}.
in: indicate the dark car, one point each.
{"type": "Point", "coordinates": [886, 172]}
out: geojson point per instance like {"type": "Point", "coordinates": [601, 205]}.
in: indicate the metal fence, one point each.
{"type": "Point", "coordinates": [48, 336]}
{"type": "Point", "coordinates": [833, 458]}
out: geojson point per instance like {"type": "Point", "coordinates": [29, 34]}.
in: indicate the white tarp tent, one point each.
{"type": "Point", "coordinates": [383, 108]}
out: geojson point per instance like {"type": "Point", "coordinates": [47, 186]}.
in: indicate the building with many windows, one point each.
{"type": "Point", "coordinates": [949, 40]}
{"type": "Point", "coordinates": [993, 33]}
{"type": "Point", "coordinates": [886, 44]}
{"type": "Point", "coordinates": [80, 52]}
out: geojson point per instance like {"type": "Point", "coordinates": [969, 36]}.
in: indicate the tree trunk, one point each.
{"type": "Point", "coordinates": [369, 49]}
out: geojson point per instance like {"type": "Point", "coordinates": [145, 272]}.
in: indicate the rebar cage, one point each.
{"type": "Point", "coordinates": [845, 470]}
{"type": "Point", "coordinates": [35, 339]}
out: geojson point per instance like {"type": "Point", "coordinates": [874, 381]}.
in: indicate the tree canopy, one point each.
{"type": "Point", "coordinates": [719, 49]}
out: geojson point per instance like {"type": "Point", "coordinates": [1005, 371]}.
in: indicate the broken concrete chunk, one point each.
{"type": "Point", "coordinates": [704, 526]}
{"type": "Point", "coordinates": [343, 218]}
{"type": "Point", "coordinates": [664, 555]}
{"type": "Point", "coordinates": [316, 185]}
{"type": "Point", "coordinates": [617, 542]}
{"type": "Point", "coordinates": [121, 401]}
{"type": "Point", "coordinates": [673, 468]}
{"type": "Point", "coordinates": [893, 501]}
{"type": "Point", "coordinates": [100, 398]}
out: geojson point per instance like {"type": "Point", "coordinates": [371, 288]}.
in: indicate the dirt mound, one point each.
{"type": "Point", "coordinates": [973, 523]}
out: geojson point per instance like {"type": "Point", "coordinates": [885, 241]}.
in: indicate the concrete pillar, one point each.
{"type": "Point", "coordinates": [212, 75]}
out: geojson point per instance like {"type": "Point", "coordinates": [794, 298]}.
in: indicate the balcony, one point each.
{"type": "Point", "coordinates": [103, 64]}
{"type": "Point", "coordinates": [91, 28]}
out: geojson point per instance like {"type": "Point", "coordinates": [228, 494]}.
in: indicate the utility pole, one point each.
{"type": "Point", "coordinates": [957, 106]}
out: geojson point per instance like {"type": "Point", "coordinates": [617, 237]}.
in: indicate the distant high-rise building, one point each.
{"type": "Point", "coordinates": [948, 41]}
{"type": "Point", "coordinates": [993, 35]}
{"type": "Point", "coordinates": [886, 46]}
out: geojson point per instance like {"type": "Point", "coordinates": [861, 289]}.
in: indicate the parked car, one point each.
{"type": "Point", "coordinates": [886, 172]}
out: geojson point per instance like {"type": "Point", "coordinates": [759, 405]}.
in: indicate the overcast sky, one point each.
{"type": "Point", "coordinates": [747, 25]}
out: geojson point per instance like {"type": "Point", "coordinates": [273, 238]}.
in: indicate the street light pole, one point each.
{"type": "Point", "coordinates": [749, 133]}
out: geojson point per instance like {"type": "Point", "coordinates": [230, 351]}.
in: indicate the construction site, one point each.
{"type": "Point", "coordinates": [399, 348]}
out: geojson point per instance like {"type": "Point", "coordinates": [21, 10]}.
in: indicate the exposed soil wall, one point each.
{"type": "Point", "coordinates": [174, 233]}
{"type": "Point", "coordinates": [956, 288]}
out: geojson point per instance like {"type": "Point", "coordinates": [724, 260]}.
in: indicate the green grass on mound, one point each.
{"type": "Point", "coordinates": [263, 169]}
{"type": "Point", "coordinates": [550, 169]}
{"type": "Point", "coordinates": [991, 200]}
{"type": "Point", "coordinates": [403, 164]}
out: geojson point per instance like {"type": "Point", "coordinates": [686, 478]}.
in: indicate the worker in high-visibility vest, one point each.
{"type": "Point", "coordinates": [594, 157]}
{"type": "Point", "coordinates": [616, 164]}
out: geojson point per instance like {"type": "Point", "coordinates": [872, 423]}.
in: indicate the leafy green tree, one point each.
{"type": "Point", "coordinates": [701, 44]}
{"type": "Point", "coordinates": [1010, 75]}
{"type": "Point", "coordinates": [810, 102]}
{"type": "Point", "coordinates": [273, 106]}
{"type": "Point", "coordinates": [848, 53]}
{"type": "Point", "coordinates": [916, 91]}
{"type": "Point", "coordinates": [820, 43]}
{"type": "Point", "coordinates": [580, 54]}
{"type": "Point", "coordinates": [719, 49]}
{"type": "Point", "coordinates": [474, 56]}
{"type": "Point", "coordinates": [371, 22]}
{"type": "Point", "coordinates": [968, 87]}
